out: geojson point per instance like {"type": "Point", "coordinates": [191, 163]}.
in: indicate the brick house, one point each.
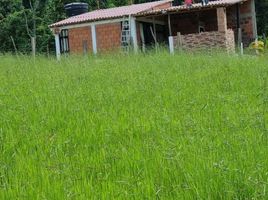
{"type": "Point", "coordinates": [220, 23]}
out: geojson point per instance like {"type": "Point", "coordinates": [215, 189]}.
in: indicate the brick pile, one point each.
{"type": "Point", "coordinates": [207, 40]}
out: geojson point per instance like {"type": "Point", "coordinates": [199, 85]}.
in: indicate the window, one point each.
{"type": "Point", "coordinates": [64, 41]}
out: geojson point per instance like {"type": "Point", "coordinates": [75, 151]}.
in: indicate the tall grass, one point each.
{"type": "Point", "coordinates": [149, 126]}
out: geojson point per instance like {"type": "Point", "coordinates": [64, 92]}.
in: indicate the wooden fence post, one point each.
{"type": "Point", "coordinates": [179, 41]}
{"type": "Point", "coordinates": [33, 44]}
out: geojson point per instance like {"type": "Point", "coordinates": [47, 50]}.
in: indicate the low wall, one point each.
{"type": "Point", "coordinates": [230, 41]}
{"type": "Point", "coordinates": [205, 41]}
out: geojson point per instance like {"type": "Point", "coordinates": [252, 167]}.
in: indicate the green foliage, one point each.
{"type": "Point", "coordinates": [31, 3]}
{"type": "Point", "coordinates": [7, 7]}
{"type": "Point", "coordinates": [134, 127]}
{"type": "Point", "coordinates": [260, 46]}
{"type": "Point", "coordinates": [262, 16]}
{"type": "Point", "coordinates": [14, 26]}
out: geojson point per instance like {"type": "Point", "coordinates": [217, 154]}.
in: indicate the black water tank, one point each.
{"type": "Point", "coordinates": [73, 9]}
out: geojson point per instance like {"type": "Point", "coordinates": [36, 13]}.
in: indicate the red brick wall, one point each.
{"type": "Point", "coordinates": [246, 21]}
{"type": "Point", "coordinates": [232, 19]}
{"type": "Point", "coordinates": [245, 7]}
{"type": "Point", "coordinates": [108, 37]}
{"type": "Point", "coordinates": [76, 38]}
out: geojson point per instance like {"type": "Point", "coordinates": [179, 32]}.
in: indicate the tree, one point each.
{"type": "Point", "coordinates": [32, 6]}
{"type": "Point", "coordinates": [262, 16]}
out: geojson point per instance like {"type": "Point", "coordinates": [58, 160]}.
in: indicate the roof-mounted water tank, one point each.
{"type": "Point", "coordinates": [73, 9]}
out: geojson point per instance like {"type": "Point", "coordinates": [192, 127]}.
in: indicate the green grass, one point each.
{"type": "Point", "coordinates": [134, 127]}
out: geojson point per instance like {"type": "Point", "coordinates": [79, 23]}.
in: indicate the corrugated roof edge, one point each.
{"type": "Point", "coordinates": [77, 21]}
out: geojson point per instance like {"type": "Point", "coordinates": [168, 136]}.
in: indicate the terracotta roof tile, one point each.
{"type": "Point", "coordinates": [110, 13]}
{"type": "Point", "coordinates": [138, 10]}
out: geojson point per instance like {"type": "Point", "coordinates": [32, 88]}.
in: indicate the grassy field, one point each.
{"type": "Point", "coordinates": [134, 127]}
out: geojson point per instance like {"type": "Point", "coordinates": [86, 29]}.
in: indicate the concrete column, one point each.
{"type": "Point", "coordinates": [222, 19]}
{"type": "Point", "coordinates": [254, 21]}
{"type": "Point", "coordinates": [133, 33]}
{"type": "Point", "coordinates": [171, 44]}
{"type": "Point", "coordinates": [169, 25]}
{"type": "Point", "coordinates": [94, 38]}
{"type": "Point", "coordinates": [57, 44]}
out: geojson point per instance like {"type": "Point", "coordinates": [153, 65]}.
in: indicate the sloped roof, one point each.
{"type": "Point", "coordinates": [110, 13]}
{"type": "Point", "coordinates": [144, 9]}
{"type": "Point", "coordinates": [211, 4]}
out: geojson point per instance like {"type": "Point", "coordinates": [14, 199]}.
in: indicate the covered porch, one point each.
{"type": "Point", "coordinates": [190, 28]}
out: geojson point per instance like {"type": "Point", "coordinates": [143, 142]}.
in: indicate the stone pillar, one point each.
{"type": "Point", "coordinates": [222, 19]}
